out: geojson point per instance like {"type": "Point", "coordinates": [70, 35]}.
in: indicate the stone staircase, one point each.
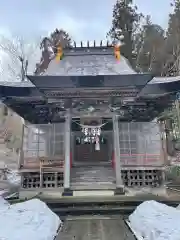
{"type": "Point", "coordinates": [92, 177]}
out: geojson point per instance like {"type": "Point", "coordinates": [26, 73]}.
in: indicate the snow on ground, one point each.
{"type": "Point", "coordinates": [28, 220]}
{"type": "Point", "coordinates": [161, 191]}
{"type": "Point", "coordinates": [9, 183]}
{"type": "Point", "coordinates": [13, 177]}
{"type": "Point", "coordinates": [155, 221]}
{"type": "Point", "coordinates": [3, 204]}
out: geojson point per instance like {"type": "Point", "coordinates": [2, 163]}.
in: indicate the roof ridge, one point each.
{"type": "Point", "coordinates": [90, 44]}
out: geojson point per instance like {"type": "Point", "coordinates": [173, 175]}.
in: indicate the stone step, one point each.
{"type": "Point", "coordinates": [91, 175]}
{"type": "Point", "coordinates": [93, 186]}
{"type": "Point", "coordinates": [92, 172]}
{"type": "Point", "coordinates": [87, 164]}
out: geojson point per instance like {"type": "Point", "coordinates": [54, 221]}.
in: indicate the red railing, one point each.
{"type": "Point", "coordinates": [139, 159]}
{"type": "Point", "coordinates": [34, 162]}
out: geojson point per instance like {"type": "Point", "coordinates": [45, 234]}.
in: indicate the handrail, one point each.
{"type": "Point", "coordinates": [141, 159]}
{"type": "Point", "coordinates": [35, 162]}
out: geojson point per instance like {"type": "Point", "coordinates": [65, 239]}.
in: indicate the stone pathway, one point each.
{"type": "Point", "coordinates": [95, 227]}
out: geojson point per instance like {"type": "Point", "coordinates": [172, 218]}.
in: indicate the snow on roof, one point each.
{"type": "Point", "coordinates": [157, 80]}
{"type": "Point", "coordinates": [16, 84]}
{"type": "Point", "coordinates": [89, 65]}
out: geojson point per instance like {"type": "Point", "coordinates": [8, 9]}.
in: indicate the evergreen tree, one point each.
{"type": "Point", "coordinates": [150, 48]}
{"type": "Point", "coordinates": [173, 40]}
{"type": "Point", "coordinates": [125, 21]}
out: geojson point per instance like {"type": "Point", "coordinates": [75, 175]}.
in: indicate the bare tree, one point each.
{"type": "Point", "coordinates": [49, 45]}
{"type": "Point", "coordinates": [19, 56]}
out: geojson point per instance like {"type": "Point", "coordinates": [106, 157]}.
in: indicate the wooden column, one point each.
{"type": "Point", "coordinates": [67, 150]}
{"type": "Point", "coordinates": [119, 183]}
{"type": "Point", "coordinates": [21, 150]}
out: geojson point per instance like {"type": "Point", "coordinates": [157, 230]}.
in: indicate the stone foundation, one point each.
{"type": "Point", "coordinates": [142, 178]}
{"type": "Point", "coordinates": [131, 178]}
{"type": "Point", "coordinates": [31, 180]}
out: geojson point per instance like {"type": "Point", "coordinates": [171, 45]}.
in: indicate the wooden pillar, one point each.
{"type": "Point", "coordinates": [178, 113]}
{"type": "Point", "coordinates": [117, 157]}
{"type": "Point", "coordinates": [21, 150]}
{"type": "Point", "coordinates": [67, 150]}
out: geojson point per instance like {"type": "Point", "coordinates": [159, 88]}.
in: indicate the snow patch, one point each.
{"type": "Point", "coordinates": [28, 220]}
{"type": "Point", "coordinates": [13, 177]}
{"type": "Point", "coordinates": [155, 221]}
{"type": "Point", "coordinates": [178, 207]}
{"type": "Point", "coordinates": [4, 205]}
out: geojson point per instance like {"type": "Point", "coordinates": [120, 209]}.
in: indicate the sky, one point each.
{"type": "Point", "coordinates": [83, 19]}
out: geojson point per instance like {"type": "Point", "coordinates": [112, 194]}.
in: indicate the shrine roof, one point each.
{"type": "Point", "coordinates": [160, 86]}
{"type": "Point", "coordinates": [25, 84]}
{"type": "Point", "coordinates": [29, 84]}
{"type": "Point", "coordinates": [92, 65]}
{"type": "Point", "coordinates": [163, 80]}
{"type": "Point", "coordinates": [157, 86]}
{"type": "Point", "coordinates": [107, 84]}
